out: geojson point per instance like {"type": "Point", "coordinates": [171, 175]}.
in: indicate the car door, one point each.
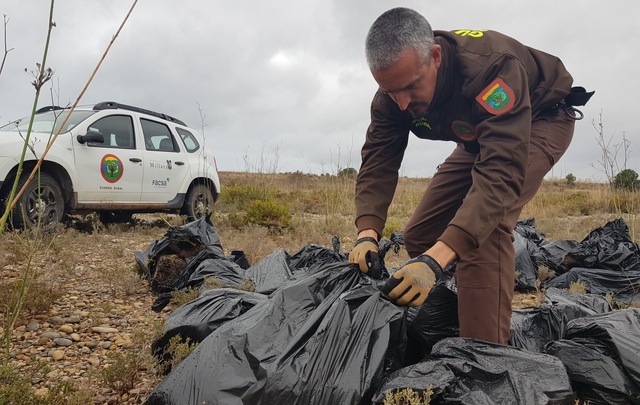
{"type": "Point", "coordinates": [109, 172]}
{"type": "Point", "coordinates": [165, 163]}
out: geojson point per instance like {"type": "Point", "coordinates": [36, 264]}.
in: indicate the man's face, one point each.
{"type": "Point", "coordinates": [410, 82]}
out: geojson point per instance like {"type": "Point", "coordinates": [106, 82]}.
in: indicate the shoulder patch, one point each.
{"type": "Point", "coordinates": [464, 130]}
{"type": "Point", "coordinates": [497, 98]}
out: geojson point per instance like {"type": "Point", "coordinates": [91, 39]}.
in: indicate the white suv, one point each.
{"type": "Point", "coordinates": [111, 158]}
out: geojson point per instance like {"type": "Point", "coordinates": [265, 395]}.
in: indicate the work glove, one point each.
{"type": "Point", "coordinates": [412, 282]}
{"type": "Point", "coordinates": [361, 252]}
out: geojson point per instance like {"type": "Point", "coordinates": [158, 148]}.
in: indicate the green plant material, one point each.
{"type": "Point", "coordinates": [571, 180]}
{"type": "Point", "coordinates": [181, 297]}
{"type": "Point", "coordinates": [125, 370]}
{"type": "Point", "coordinates": [240, 194]}
{"type": "Point", "coordinates": [408, 396]}
{"type": "Point", "coordinates": [578, 287]}
{"type": "Point", "coordinates": [246, 285]}
{"type": "Point", "coordinates": [211, 283]}
{"type": "Point", "coordinates": [16, 389]}
{"type": "Point", "coordinates": [348, 172]}
{"type": "Point", "coordinates": [544, 275]}
{"type": "Point", "coordinates": [14, 386]}
{"type": "Point", "coordinates": [177, 350]}
{"type": "Point", "coordinates": [627, 179]}
{"type": "Point", "coordinates": [270, 214]}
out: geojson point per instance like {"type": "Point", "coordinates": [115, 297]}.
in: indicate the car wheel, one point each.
{"type": "Point", "coordinates": [38, 206]}
{"type": "Point", "coordinates": [114, 217]}
{"type": "Point", "coordinates": [198, 203]}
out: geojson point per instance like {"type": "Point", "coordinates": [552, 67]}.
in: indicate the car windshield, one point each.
{"type": "Point", "coordinates": [48, 122]}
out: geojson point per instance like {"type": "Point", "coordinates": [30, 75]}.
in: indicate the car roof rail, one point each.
{"type": "Point", "coordinates": [112, 105]}
{"type": "Point", "coordinates": [49, 108]}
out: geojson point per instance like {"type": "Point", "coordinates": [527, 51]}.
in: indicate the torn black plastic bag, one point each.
{"type": "Point", "coordinates": [326, 337]}
{"type": "Point", "coordinates": [624, 285]}
{"type": "Point", "coordinates": [468, 371]}
{"type": "Point", "coordinates": [195, 320]}
{"type": "Point", "coordinates": [205, 265]}
{"type": "Point", "coordinates": [533, 328]}
{"type": "Point", "coordinates": [184, 241]}
{"type": "Point", "coordinates": [601, 357]}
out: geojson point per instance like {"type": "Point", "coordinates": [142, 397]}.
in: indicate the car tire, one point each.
{"type": "Point", "coordinates": [198, 203]}
{"type": "Point", "coordinates": [115, 217]}
{"type": "Point", "coordinates": [43, 206]}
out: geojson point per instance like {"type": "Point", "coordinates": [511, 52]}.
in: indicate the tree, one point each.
{"type": "Point", "coordinates": [347, 172]}
{"type": "Point", "coordinates": [571, 179]}
{"type": "Point", "coordinates": [627, 180]}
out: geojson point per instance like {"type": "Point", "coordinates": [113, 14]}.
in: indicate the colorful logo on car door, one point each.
{"type": "Point", "coordinates": [111, 168]}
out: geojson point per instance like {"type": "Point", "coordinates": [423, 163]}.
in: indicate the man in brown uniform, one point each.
{"type": "Point", "coordinates": [507, 107]}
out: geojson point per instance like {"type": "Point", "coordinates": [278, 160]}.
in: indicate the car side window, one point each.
{"type": "Point", "coordinates": [189, 140]}
{"type": "Point", "coordinates": [117, 131]}
{"type": "Point", "coordinates": [157, 136]}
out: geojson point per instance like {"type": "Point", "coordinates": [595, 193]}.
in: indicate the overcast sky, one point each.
{"type": "Point", "coordinates": [283, 85]}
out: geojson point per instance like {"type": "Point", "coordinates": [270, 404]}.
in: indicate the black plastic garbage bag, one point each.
{"type": "Point", "coordinates": [278, 267]}
{"type": "Point", "coordinates": [526, 270]}
{"type": "Point", "coordinates": [552, 254]}
{"type": "Point", "coordinates": [326, 337]}
{"type": "Point", "coordinates": [527, 229]}
{"type": "Point", "coordinates": [606, 247]}
{"type": "Point", "coordinates": [624, 285]}
{"type": "Point", "coordinates": [533, 328]}
{"type": "Point", "coordinates": [183, 241]}
{"type": "Point", "coordinates": [467, 371]}
{"type": "Point", "coordinates": [601, 354]}
{"type": "Point", "coordinates": [205, 265]}
{"type": "Point", "coordinates": [195, 320]}
{"type": "Point", "coordinates": [434, 320]}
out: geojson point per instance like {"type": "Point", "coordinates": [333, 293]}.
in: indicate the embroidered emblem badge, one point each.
{"type": "Point", "coordinates": [497, 98]}
{"type": "Point", "coordinates": [464, 130]}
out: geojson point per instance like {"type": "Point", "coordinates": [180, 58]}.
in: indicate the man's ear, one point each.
{"type": "Point", "coordinates": [436, 55]}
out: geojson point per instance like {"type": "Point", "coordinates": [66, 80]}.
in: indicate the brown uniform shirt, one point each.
{"type": "Point", "coordinates": [489, 89]}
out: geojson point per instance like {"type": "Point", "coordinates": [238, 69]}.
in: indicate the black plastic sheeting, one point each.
{"type": "Point", "coordinates": [610, 254]}
{"type": "Point", "coordinates": [317, 331]}
{"type": "Point", "coordinates": [194, 321]}
{"type": "Point", "coordinates": [467, 371]}
{"type": "Point", "coordinates": [602, 356]}
{"type": "Point", "coordinates": [322, 339]}
{"type": "Point", "coordinates": [533, 328]}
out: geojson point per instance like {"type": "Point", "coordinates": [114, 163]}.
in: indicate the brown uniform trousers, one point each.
{"type": "Point", "coordinates": [485, 277]}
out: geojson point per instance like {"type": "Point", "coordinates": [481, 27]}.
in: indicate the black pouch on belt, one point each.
{"type": "Point", "coordinates": [578, 96]}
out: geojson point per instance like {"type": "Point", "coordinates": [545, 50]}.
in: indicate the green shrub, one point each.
{"type": "Point", "coordinates": [626, 180]}
{"type": "Point", "coordinates": [571, 179]}
{"type": "Point", "coordinates": [269, 213]}
{"type": "Point", "coordinates": [348, 172]}
{"type": "Point", "coordinates": [241, 194]}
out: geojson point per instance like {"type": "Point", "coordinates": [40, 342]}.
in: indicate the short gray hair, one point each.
{"type": "Point", "coordinates": [393, 32]}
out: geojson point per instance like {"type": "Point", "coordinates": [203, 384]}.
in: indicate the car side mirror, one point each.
{"type": "Point", "coordinates": [91, 136]}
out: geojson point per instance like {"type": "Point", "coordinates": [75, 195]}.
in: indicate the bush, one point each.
{"type": "Point", "coordinates": [348, 172]}
{"type": "Point", "coordinates": [571, 179]}
{"type": "Point", "coordinates": [269, 213]}
{"type": "Point", "coordinates": [626, 180]}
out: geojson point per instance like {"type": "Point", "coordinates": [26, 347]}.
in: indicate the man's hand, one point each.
{"type": "Point", "coordinates": [411, 284]}
{"type": "Point", "coordinates": [359, 252]}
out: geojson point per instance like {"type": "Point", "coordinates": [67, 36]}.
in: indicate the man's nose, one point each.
{"type": "Point", "coordinates": [402, 98]}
